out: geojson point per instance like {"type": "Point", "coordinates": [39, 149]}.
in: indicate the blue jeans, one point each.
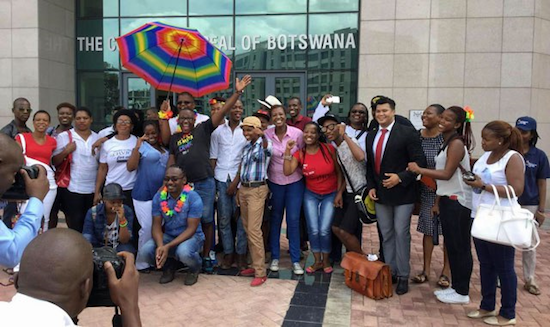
{"type": "Point", "coordinates": [496, 260]}
{"type": "Point", "coordinates": [226, 208]}
{"type": "Point", "coordinates": [319, 210]}
{"type": "Point", "coordinates": [206, 188]}
{"type": "Point", "coordinates": [186, 252]}
{"type": "Point", "coordinates": [287, 197]}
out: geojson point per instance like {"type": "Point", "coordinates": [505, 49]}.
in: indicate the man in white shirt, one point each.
{"type": "Point", "coordinates": [226, 149]}
{"type": "Point", "coordinates": [53, 286]}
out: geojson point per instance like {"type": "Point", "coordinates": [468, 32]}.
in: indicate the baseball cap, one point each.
{"type": "Point", "coordinates": [270, 101]}
{"type": "Point", "coordinates": [262, 114]}
{"type": "Point", "coordinates": [375, 99]}
{"type": "Point", "coordinates": [252, 122]}
{"type": "Point", "coordinates": [526, 123]}
{"type": "Point", "coordinates": [328, 116]}
{"type": "Point", "coordinates": [113, 191]}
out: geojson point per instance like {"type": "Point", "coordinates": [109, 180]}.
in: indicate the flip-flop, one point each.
{"type": "Point", "coordinates": [444, 281]}
{"type": "Point", "coordinates": [328, 270]}
{"type": "Point", "coordinates": [420, 278]}
{"type": "Point", "coordinates": [311, 269]}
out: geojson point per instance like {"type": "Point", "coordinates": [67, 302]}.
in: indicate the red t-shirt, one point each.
{"type": "Point", "coordinates": [40, 152]}
{"type": "Point", "coordinates": [318, 170]}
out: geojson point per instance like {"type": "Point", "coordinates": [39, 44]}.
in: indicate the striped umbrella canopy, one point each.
{"type": "Point", "coordinates": [175, 59]}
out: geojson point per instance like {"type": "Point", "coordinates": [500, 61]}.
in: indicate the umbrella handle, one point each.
{"type": "Point", "coordinates": [175, 67]}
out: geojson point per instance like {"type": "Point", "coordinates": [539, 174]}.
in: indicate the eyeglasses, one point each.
{"type": "Point", "coordinates": [329, 127]}
{"type": "Point", "coordinates": [360, 112]}
{"type": "Point", "coordinates": [186, 118]}
{"type": "Point", "coordinates": [179, 103]}
{"type": "Point", "coordinates": [124, 122]}
{"type": "Point", "coordinates": [29, 110]}
{"type": "Point", "coordinates": [173, 179]}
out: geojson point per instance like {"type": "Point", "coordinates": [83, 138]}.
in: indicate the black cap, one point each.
{"type": "Point", "coordinates": [328, 116]}
{"type": "Point", "coordinates": [113, 191]}
{"type": "Point", "coordinates": [375, 99]}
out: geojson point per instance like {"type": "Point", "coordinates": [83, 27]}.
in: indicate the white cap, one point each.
{"type": "Point", "coordinates": [270, 101]}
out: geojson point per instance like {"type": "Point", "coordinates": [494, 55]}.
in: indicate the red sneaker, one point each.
{"type": "Point", "coordinates": [249, 272]}
{"type": "Point", "coordinates": [257, 281]}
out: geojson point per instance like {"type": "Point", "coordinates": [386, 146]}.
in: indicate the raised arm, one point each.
{"type": "Point", "coordinates": [290, 163]}
{"type": "Point", "coordinates": [240, 85]}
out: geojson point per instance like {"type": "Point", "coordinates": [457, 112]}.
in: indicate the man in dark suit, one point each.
{"type": "Point", "coordinates": [389, 149]}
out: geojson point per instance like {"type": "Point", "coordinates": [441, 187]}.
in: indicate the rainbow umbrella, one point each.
{"type": "Point", "coordinates": [175, 59]}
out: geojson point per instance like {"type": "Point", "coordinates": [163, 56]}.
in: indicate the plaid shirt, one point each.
{"type": "Point", "coordinates": [255, 161]}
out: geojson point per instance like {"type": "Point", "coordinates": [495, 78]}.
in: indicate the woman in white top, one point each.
{"type": "Point", "coordinates": [114, 155]}
{"type": "Point", "coordinates": [78, 197]}
{"type": "Point", "coordinates": [454, 200]}
{"type": "Point", "coordinates": [500, 165]}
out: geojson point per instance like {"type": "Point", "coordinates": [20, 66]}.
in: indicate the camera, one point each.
{"type": "Point", "coordinates": [17, 191]}
{"type": "Point", "coordinates": [100, 296]}
{"type": "Point", "coordinates": [469, 176]}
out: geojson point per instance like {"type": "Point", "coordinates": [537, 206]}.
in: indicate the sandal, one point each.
{"type": "Point", "coordinates": [420, 278]}
{"type": "Point", "coordinates": [327, 270]}
{"type": "Point", "coordinates": [313, 268]}
{"type": "Point", "coordinates": [444, 281]}
{"type": "Point", "coordinates": [533, 289]}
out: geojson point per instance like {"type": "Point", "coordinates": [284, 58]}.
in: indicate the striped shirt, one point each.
{"type": "Point", "coordinates": [255, 161]}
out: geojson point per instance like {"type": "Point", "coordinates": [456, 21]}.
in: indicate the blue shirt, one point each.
{"type": "Point", "coordinates": [152, 165]}
{"type": "Point", "coordinates": [176, 224]}
{"type": "Point", "coordinates": [94, 229]}
{"type": "Point", "coordinates": [536, 167]}
{"type": "Point", "coordinates": [14, 241]}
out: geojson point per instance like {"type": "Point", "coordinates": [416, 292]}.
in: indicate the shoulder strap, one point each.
{"type": "Point", "coordinates": [345, 172]}
{"type": "Point", "coordinates": [360, 134]}
{"type": "Point", "coordinates": [23, 143]}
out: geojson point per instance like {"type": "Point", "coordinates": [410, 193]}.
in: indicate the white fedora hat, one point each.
{"type": "Point", "coordinates": [270, 101]}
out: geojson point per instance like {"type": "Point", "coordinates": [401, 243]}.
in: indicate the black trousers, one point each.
{"type": "Point", "coordinates": [75, 206]}
{"type": "Point", "coordinates": [135, 224]}
{"type": "Point", "coordinates": [457, 224]}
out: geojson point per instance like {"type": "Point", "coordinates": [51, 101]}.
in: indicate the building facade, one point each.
{"type": "Point", "coordinates": [493, 55]}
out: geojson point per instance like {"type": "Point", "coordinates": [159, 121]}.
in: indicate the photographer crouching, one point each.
{"type": "Point", "coordinates": [13, 241]}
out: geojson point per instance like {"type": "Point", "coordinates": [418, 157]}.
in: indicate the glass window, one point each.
{"type": "Point", "coordinates": [96, 45]}
{"type": "Point", "coordinates": [333, 5]}
{"type": "Point", "coordinates": [270, 7]}
{"type": "Point", "coordinates": [219, 30]}
{"type": "Point", "coordinates": [261, 39]}
{"type": "Point", "coordinates": [210, 7]}
{"type": "Point", "coordinates": [97, 8]}
{"type": "Point", "coordinates": [130, 24]}
{"type": "Point", "coordinates": [99, 91]}
{"type": "Point", "coordinates": [336, 40]}
{"type": "Point", "coordinates": [153, 8]}
{"type": "Point", "coordinates": [346, 89]}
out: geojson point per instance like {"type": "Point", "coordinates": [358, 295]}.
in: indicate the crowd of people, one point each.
{"type": "Point", "coordinates": [151, 187]}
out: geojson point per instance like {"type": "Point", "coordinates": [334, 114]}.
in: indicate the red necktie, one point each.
{"type": "Point", "coordinates": [378, 154]}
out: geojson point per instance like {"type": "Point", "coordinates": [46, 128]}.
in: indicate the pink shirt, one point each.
{"type": "Point", "coordinates": [275, 170]}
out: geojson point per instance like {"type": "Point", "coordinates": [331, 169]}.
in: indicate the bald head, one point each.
{"type": "Point", "coordinates": [11, 159]}
{"type": "Point", "coordinates": [57, 267]}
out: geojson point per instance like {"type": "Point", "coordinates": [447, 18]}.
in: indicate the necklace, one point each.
{"type": "Point", "coordinates": [179, 205]}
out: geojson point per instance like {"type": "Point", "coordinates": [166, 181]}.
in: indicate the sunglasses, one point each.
{"type": "Point", "coordinates": [329, 127]}
{"type": "Point", "coordinates": [29, 110]}
{"type": "Point", "coordinates": [360, 112]}
{"type": "Point", "coordinates": [173, 179]}
{"type": "Point", "coordinates": [179, 103]}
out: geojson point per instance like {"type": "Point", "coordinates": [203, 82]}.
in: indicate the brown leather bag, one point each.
{"type": "Point", "coordinates": [370, 278]}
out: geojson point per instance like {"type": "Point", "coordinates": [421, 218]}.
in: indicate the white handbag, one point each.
{"type": "Point", "coordinates": [508, 225]}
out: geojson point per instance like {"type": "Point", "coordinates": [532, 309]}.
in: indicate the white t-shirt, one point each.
{"type": "Point", "coordinates": [115, 153]}
{"type": "Point", "coordinates": [24, 310]}
{"type": "Point", "coordinates": [83, 165]}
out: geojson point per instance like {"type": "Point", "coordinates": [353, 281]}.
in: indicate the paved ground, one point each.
{"type": "Point", "coordinates": [228, 300]}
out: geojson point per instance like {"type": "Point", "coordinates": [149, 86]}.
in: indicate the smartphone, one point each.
{"type": "Point", "coordinates": [334, 99]}
{"type": "Point", "coordinates": [469, 176]}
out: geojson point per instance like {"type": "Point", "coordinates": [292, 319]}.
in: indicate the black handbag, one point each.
{"type": "Point", "coordinates": [365, 205]}
{"type": "Point", "coordinates": [435, 232]}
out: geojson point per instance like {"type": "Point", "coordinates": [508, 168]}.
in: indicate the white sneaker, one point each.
{"type": "Point", "coordinates": [454, 298]}
{"type": "Point", "coordinates": [274, 265]}
{"type": "Point", "coordinates": [444, 291]}
{"type": "Point", "coordinates": [297, 269]}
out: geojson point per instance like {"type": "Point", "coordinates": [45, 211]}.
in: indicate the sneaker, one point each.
{"type": "Point", "coordinates": [213, 258]}
{"type": "Point", "coordinates": [444, 291]}
{"type": "Point", "coordinates": [454, 298]}
{"type": "Point", "coordinates": [207, 265]}
{"type": "Point", "coordinates": [297, 269]}
{"type": "Point", "coordinates": [274, 265]}
{"type": "Point", "coordinates": [257, 281]}
{"type": "Point", "coordinates": [191, 278]}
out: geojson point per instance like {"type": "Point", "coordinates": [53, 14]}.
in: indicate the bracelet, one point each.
{"type": "Point", "coordinates": [541, 211]}
{"type": "Point", "coordinates": [124, 223]}
{"type": "Point", "coordinates": [289, 158]}
{"type": "Point", "coordinates": [165, 115]}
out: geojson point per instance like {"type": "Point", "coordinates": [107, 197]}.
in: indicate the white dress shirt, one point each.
{"type": "Point", "coordinates": [24, 310]}
{"type": "Point", "coordinates": [83, 165]}
{"type": "Point", "coordinates": [226, 146]}
{"type": "Point", "coordinates": [386, 137]}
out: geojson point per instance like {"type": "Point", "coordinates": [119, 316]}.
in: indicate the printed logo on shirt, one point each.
{"type": "Point", "coordinates": [306, 171]}
{"type": "Point", "coordinates": [185, 143]}
{"type": "Point", "coordinates": [530, 164]}
{"type": "Point", "coordinates": [121, 155]}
